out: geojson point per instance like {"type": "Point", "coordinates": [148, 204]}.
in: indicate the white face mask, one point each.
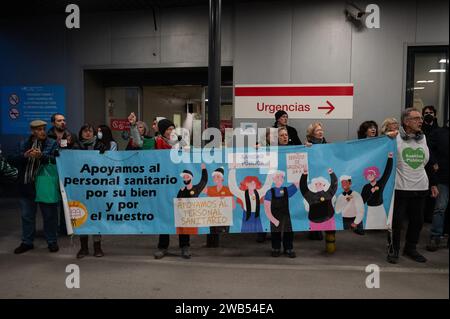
{"type": "Point", "coordinates": [99, 135]}
{"type": "Point", "coordinates": [174, 137]}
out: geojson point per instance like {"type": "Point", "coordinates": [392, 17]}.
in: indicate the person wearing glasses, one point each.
{"type": "Point", "coordinates": [411, 185]}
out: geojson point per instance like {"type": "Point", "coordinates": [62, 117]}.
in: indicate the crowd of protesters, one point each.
{"type": "Point", "coordinates": [421, 193]}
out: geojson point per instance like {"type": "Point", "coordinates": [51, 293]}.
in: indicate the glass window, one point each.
{"type": "Point", "coordinates": [427, 79]}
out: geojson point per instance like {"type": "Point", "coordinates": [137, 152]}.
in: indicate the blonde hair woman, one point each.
{"type": "Point", "coordinates": [315, 134]}
{"type": "Point", "coordinates": [389, 126]}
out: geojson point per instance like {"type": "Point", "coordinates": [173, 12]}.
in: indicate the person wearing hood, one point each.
{"type": "Point", "coordinates": [281, 120]}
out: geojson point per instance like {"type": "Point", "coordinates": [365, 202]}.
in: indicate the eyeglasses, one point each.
{"type": "Point", "coordinates": [426, 113]}
{"type": "Point", "coordinates": [416, 118]}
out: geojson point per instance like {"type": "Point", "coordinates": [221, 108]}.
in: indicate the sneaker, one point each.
{"type": "Point", "coordinates": [414, 255]}
{"type": "Point", "coordinates": [23, 248]}
{"type": "Point", "coordinates": [433, 244]}
{"type": "Point", "coordinates": [160, 253]}
{"type": "Point", "coordinates": [290, 253]}
{"type": "Point", "coordinates": [185, 253]}
{"type": "Point", "coordinates": [359, 231]}
{"type": "Point", "coordinates": [276, 252]}
{"type": "Point", "coordinates": [53, 247]}
{"type": "Point", "coordinates": [392, 257]}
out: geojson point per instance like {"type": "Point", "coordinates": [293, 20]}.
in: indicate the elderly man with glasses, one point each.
{"type": "Point", "coordinates": [411, 185]}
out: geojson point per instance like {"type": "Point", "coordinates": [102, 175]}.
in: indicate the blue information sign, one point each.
{"type": "Point", "coordinates": [22, 104]}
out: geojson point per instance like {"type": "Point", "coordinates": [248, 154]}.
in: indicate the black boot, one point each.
{"type": "Point", "coordinates": [392, 257]}
{"type": "Point", "coordinates": [23, 248]}
{"type": "Point", "coordinates": [84, 250]}
{"type": "Point", "coordinates": [98, 252]}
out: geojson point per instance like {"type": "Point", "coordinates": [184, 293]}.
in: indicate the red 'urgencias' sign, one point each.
{"type": "Point", "coordinates": [326, 101]}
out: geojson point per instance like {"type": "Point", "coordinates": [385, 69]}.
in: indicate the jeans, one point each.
{"type": "Point", "coordinates": [437, 227]}
{"type": "Point", "coordinates": [50, 216]}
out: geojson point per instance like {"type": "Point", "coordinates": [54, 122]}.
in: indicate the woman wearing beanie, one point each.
{"type": "Point", "coordinates": [281, 120]}
{"type": "Point", "coordinates": [164, 142]}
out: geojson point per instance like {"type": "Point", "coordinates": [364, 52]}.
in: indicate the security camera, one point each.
{"type": "Point", "coordinates": [353, 12]}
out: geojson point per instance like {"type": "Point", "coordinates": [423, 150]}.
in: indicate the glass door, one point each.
{"type": "Point", "coordinates": [119, 103]}
{"type": "Point", "coordinates": [427, 79]}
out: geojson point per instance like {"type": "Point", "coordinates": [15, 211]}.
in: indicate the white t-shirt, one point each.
{"type": "Point", "coordinates": [412, 156]}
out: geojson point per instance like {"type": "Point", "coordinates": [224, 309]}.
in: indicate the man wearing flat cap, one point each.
{"type": "Point", "coordinates": [34, 152]}
{"type": "Point", "coordinates": [281, 120]}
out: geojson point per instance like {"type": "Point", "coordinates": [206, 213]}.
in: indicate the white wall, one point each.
{"type": "Point", "coordinates": [301, 43]}
{"type": "Point", "coordinates": [266, 42]}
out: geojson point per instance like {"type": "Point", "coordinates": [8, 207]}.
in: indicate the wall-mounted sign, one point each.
{"type": "Point", "coordinates": [22, 104]}
{"type": "Point", "coordinates": [324, 101]}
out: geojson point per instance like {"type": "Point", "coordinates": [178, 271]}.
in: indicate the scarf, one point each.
{"type": "Point", "coordinates": [33, 164]}
{"type": "Point", "coordinates": [248, 205]}
{"type": "Point", "coordinates": [88, 143]}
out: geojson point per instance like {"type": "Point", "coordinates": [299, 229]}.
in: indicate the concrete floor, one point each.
{"type": "Point", "coordinates": [240, 268]}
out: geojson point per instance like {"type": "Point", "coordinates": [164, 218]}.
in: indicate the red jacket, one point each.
{"type": "Point", "coordinates": [161, 144]}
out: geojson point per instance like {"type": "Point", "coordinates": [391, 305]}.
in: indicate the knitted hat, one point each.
{"type": "Point", "coordinates": [279, 114]}
{"type": "Point", "coordinates": [218, 171]}
{"type": "Point", "coordinates": [186, 172]}
{"type": "Point", "coordinates": [163, 125]}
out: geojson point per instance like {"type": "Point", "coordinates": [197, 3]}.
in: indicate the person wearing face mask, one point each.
{"type": "Point", "coordinates": [429, 125]}
{"type": "Point", "coordinates": [104, 136]}
{"type": "Point", "coordinates": [164, 141]}
{"type": "Point", "coordinates": [429, 120]}
{"type": "Point", "coordinates": [167, 138]}
{"type": "Point", "coordinates": [368, 129]}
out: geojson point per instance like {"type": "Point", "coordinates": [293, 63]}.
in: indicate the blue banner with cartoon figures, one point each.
{"type": "Point", "coordinates": [337, 186]}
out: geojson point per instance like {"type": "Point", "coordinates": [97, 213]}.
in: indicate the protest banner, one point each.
{"type": "Point", "coordinates": [145, 192]}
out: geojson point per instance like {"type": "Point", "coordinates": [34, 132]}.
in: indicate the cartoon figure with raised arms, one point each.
{"type": "Point", "coordinates": [251, 195]}
{"type": "Point", "coordinates": [191, 191]}
{"type": "Point", "coordinates": [319, 200]}
{"type": "Point", "coordinates": [372, 194]}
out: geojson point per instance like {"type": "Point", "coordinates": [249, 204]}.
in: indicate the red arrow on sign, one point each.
{"type": "Point", "coordinates": [330, 108]}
